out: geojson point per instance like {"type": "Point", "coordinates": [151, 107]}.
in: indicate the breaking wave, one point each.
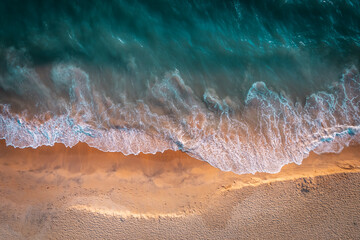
{"type": "Point", "coordinates": [268, 132]}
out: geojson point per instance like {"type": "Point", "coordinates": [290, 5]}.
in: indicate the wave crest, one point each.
{"type": "Point", "coordinates": [269, 132]}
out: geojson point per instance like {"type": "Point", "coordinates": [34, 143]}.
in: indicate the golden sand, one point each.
{"type": "Point", "coordinates": [58, 192]}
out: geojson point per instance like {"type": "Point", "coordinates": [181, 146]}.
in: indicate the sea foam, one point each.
{"type": "Point", "coordinates": [264, 134]}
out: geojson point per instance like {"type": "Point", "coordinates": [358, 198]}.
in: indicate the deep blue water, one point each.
{"type": "Point", "coordinates": [244, 85]}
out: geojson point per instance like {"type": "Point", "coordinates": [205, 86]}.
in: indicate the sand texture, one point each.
{"type": "Point", "coordinates": [82, 193]}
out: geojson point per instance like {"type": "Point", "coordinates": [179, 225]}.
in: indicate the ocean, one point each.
{"type": "Point", "coordinates": [247, 86]}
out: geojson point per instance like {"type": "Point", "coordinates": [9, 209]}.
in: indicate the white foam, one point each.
{"type": "Point", "coordinates": [270, 132]}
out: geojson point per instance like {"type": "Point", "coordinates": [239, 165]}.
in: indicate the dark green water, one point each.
{"type": "Point", "coordinates": [244, 85]}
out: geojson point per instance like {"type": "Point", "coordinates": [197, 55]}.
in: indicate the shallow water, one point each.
{"type": "Point", "coordinates": [244, 86]}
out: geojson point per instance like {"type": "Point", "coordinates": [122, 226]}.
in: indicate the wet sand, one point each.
{"type": "Point", "coordinates": [81, 193]}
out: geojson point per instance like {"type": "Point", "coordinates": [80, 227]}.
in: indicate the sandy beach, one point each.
{"type": "Point", "coordinates": [179, 120]}
{"type": "Point", "coordinates": [82, 193]}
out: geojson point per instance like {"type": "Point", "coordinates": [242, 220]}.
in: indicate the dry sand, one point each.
{"type": "Point", "coordinates": [82, 193]}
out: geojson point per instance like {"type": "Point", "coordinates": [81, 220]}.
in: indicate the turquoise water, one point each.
{"type": "Point", "coordinates": [246, 86]}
